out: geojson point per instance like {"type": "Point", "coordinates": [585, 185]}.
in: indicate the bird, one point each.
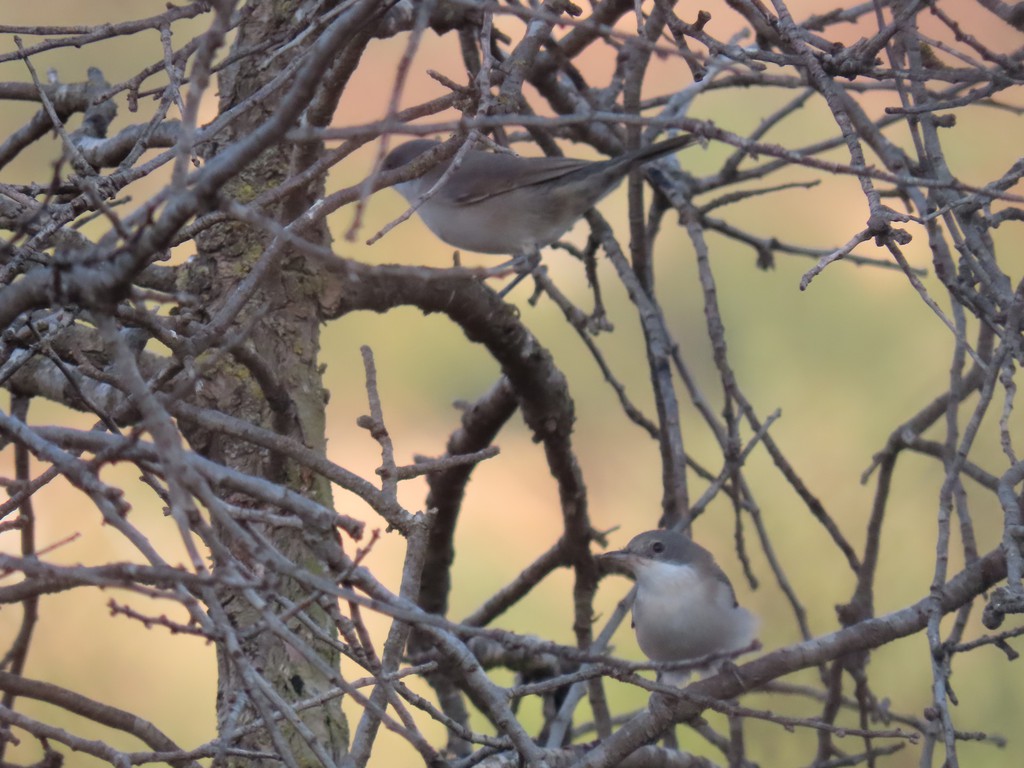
{"type": "Point", "coordinates": [504, 204]}
{"type": "Point", "coordinates": [685, 608]}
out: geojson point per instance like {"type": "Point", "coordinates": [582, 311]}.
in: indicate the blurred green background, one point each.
{"type": "Point", "coordinates": [846, 361]}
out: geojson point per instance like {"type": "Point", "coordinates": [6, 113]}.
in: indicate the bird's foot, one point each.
{"type": "Point", "coordinates": [523, 265]}
{"type": "Point", "coordinates": [729, 668]}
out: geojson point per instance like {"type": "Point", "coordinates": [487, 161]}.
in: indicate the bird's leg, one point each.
{"type": "Point", "coordinates": [730, 668]}
{"type": "Point", "coordinates": [669, 739]}
{"type": "Point", "coordinates": [524, 263]}
{"type": "Point", "coordinates": [527, 261]}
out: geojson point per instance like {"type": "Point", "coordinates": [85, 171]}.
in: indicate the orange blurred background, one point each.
{"type": "Point", "coordinates": [846, 361]}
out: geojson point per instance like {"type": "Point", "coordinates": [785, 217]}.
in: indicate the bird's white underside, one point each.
{"type": "Point", "coordinates": [679, 615]}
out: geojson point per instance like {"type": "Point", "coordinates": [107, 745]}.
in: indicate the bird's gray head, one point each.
{"type": "Point", "coordinates": [406, 153]}
{"type": "Point", "coordinates": [668, 547]}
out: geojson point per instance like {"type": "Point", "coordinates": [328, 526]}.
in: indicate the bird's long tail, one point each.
{"type": "Point", "coordinates": [652, 151]}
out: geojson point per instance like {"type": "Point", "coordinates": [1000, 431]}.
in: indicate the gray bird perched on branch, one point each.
{"type": "Point", "coordinates": [685, 607]}
{"type": "Point", "coordinates": [500, 203]}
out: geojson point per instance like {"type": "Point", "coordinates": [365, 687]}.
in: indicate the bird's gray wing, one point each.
{"type": "Point", "coordinates": [504, 173]}
{"type": "Point", "coordinates": [723, 579]}
{"type": "Point", "coordinates": [697, 552]}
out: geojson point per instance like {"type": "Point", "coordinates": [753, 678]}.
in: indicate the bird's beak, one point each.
{"type": "Point", "coordinates": [617, 561]}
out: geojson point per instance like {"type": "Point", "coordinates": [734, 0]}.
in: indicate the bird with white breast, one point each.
{"type": "Point", "coordinates": [501, 203]}
{"type": "Point", "coordinates": [685, 608]}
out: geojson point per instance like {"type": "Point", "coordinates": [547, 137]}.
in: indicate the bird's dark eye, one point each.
{"type": "Point", "coordinates": [657, 547]}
